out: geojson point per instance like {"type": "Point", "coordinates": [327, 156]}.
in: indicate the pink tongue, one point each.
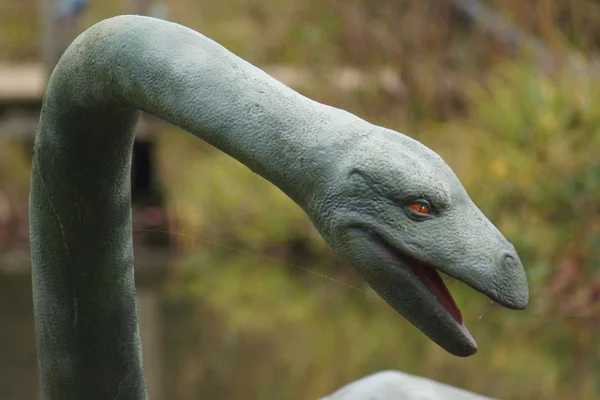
{"type": "Point", "coordinates": [434, 283]}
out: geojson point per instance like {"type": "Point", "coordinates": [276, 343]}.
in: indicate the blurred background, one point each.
{"type": "Point", "coordinates": [238, 295]}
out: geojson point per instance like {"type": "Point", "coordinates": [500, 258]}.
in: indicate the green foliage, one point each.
{"type": "Point", "coordinates": [14, 165]}
{"type": "Point", "coordinates": [211, 194]}
{"type": "Point", "coordinates": [525, 152]}
{"type": "Point", "coordinates": [530, 160]}
{"type": "Point", "coordinates": [524, 144]}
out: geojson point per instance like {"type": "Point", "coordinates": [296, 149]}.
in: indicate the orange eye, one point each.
{"type": "Point", "coordinates": [420, 208]}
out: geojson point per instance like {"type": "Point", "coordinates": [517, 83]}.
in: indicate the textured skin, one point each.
{"type": "Point", "coordinates": [353, 179]}
{"type": "Point", "coordinates": [394, 385]}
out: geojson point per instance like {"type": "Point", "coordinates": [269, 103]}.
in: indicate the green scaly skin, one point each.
{"type": "Point", "coordinates": [353, 179]}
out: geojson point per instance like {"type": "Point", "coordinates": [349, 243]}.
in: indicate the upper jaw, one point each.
{"type": "Point", "coordinates": [503, 281]}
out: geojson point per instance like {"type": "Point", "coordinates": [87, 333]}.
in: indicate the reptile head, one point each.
{"type": "Point", "coordinates": [398, 214]}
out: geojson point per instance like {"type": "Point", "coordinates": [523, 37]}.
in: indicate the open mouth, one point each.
{"type": "Point", "coordinates": [414, 288]}
{"type": "Point", "coordinates": [432, 280]}
{"type": "Point", "coordinates": [426, 274]}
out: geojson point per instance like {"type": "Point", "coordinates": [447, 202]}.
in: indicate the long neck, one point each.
{"type": "Point", "coordinates": [80, 222]}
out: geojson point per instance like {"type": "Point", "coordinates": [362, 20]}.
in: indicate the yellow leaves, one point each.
{"type": "Point", "coordinates": [14, 165]}
{"type": "Point", "coordinates": [500, 168]}
{"type": "Point", "coordinates": [500, 358]}
{"type": "Point", "coordinates": [525, 177]}
{"type": "Point", "coordinates": [548, 123]}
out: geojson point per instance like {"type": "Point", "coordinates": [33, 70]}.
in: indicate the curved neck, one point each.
{"type": "Point", "coordinates": [80, 211]}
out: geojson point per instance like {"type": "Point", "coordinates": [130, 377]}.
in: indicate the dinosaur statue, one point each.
{"type": "Point", "coordinates": [388, 205]}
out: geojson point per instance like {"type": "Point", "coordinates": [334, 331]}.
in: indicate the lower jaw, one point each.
{"type": "Point", "coordinates": [432, 280]}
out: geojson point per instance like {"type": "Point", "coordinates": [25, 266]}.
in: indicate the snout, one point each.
{"type": "Point", "coordinates": [511, 289]}
{"type": "Point", "coordinates": [479, 255]}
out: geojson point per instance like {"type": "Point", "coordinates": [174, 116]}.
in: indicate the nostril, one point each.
{"type": "Point", "coordinates": [510, 262]}
{"type": "Point", "coordinates": [510, 280]}
{"type": "Point", "coordinates": [507, 260]}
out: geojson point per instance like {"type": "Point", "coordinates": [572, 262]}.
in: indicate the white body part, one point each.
{"type": "Point", "coordinates": [395, 385]}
